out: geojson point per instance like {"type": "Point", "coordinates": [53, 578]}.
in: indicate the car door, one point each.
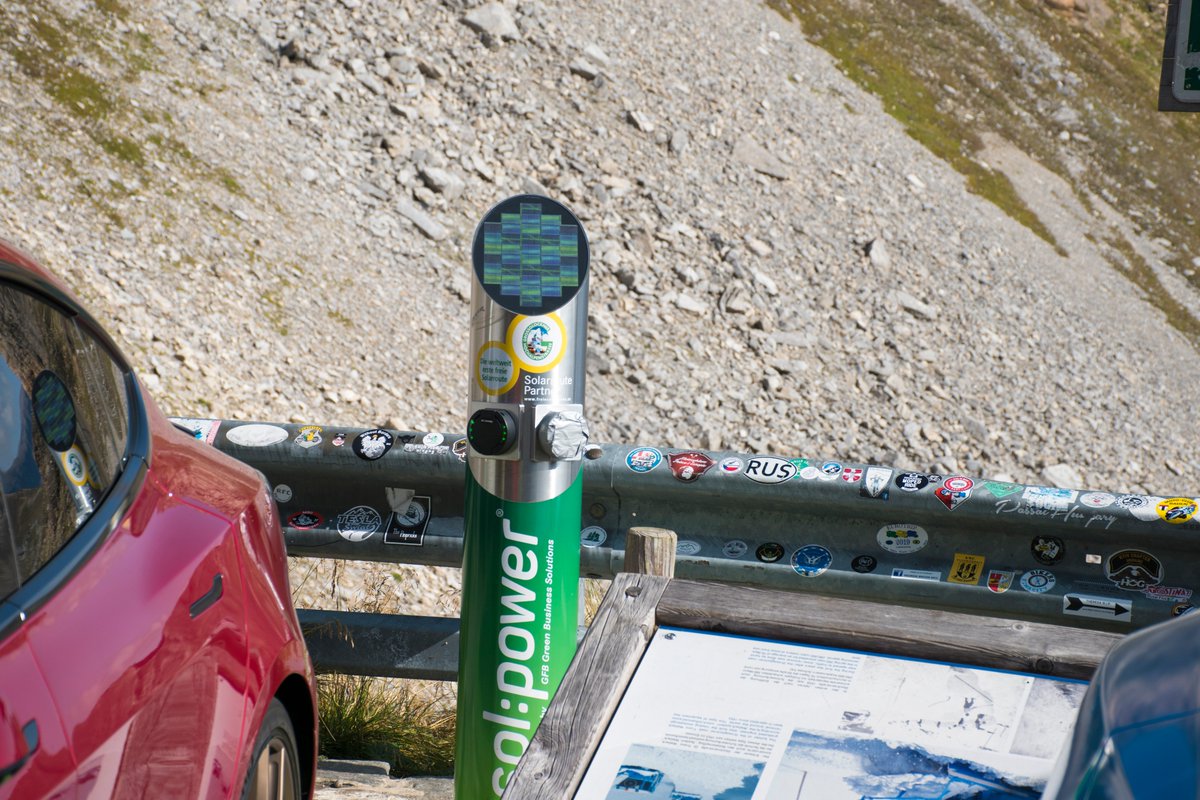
{"type": "Point", "coordinates": [127, 597]}
{"type": "Point", "coordinates": [146, 654]}
{"type": "Point", "coordinates": [35, 761]}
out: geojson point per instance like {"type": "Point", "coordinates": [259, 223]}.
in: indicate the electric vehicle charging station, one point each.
{"type": "Point", "coordinates": [526, 435]}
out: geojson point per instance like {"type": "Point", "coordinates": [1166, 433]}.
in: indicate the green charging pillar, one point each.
{"type": "Point", "coordinates": [527, 435]}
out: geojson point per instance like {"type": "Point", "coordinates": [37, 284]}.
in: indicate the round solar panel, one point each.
{"type": "Point", "coordinates": [530, 254]}
{"type": "Point", "coordinates": [55, 411]}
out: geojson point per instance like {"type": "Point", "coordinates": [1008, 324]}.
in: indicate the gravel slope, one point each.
{"type": "Point", "coordinates": [776, 265]}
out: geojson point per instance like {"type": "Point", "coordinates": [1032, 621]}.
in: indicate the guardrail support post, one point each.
{"type": "Point", "coordinates": [650, 551]}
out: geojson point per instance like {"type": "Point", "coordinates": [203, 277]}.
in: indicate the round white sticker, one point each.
{"type": "Point", "coordinates": [593, 536]}
{"type": "Point", "coordinates": [256, 435]}
{"type": "Point", "coordinates": [537, 343]}
{"type": "Point", "coordinates": [495, 372]}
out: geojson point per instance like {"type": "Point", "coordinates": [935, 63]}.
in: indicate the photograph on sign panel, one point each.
{"type": "Point", "coordinates": [650, 772]}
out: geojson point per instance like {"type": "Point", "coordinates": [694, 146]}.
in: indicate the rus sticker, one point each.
{"type": "Point", "coordinates": [769, 469]}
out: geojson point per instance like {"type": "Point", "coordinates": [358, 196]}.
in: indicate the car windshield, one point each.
{"type": "Point", "coordinates": [63, 430]}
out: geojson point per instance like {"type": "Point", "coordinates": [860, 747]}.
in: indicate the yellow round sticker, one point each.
{"type": "Point", "coordinates": [495, 372]}
{"type": "Point", "coordinates": [538, 343]}
{"type": "Point", "coordinates": [1176, 510]}
{"type": "Point", "coordinates": [74, 465]}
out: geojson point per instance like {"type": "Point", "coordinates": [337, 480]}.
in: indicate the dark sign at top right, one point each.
{"type": "Point", "coordinates": [1179, 87]}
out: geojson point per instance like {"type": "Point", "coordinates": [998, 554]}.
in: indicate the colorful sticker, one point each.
{"type": "Point", "coordinates": [1002, 489]}
{"type": "Point", "coordinates": [731, 465]}
{"type": "Point", "coordinates": [358, 523]}
{"type": "Point", "coordinates": [686, 547]}
{"type": "Point", "coordinates": [689, 466]}
{"type": "Point", "coordinates": [282, 493]}
{"type": "Point", "coordinates": [305, 520]}
{"type": "Point", "coordinates": [1048, 498]}
{"type": "Point", "coordinates": [1176, 510]}
{"type": "Point", "coordinates": [917, 574]}
{"type": "Point", "coordinates": [769, 469]}
{"type": "Point", "coordinates": [966, 569]}
{"type": "Point", "coordinates": [408, 528]}
{"type": "Point", "coordinates": [205, 430]}
{"type": "Point", "coordinates": [593, 536]}
{"type": "Point", "coordinates": [373, 444]}
{"type": "Point", "coordinates": [1097, 499]}
{"type": "Point", "coordinates": [1168, 594]}
{"type": "Point", "coordinates": [863, 564]}
{"type": "Point", "coordinates": [958, 483]}
{"type": "Point", "coordinates": [74, 465]}
{"type": "Point", "coordinates": [902, 538]}
{"type": "Point", "coordinates": [811, 560]}
{"type": "Point", "coordinates": [338, 439]}
{"type": "Point", "coordinates": [256, 435]}
{"type": "Point", "coordinates": [643, 459]}
{"type": "Point", "coordinates": [911, 481]}
{"type": "Point", "coordinates": [495, 372]}
{"type": "Point", "coordinates": [735, 548]}
{"type": "Point", "coordinates": [1133, 570]}
{"type": "Point", "coordinates": [876, 483]}
{"type": "Point", "coordinates": [769, 552]}
{"type": "Point", "coordinates": [1181, 609]}
{"type": "Point", "coordinates": [950, 498]}
{"type": "Point", "coordinates": [1084, 605]}
{"type": "Point", "coordinates": [799, 464]}
{"type": "Point", "coordinates": [459, 448]}
{"type": "Point", "coordinates": [1000, 580]}
{"type": "Point", "coordinates": [537, 343]}
{"type": "Point", "coordinates": [1047, 550]}
{"type": "Point", "coordinates": [830, 470]}
{"type": "Point", "coordinates": [1037, 581]}
{"type": "Point", "coordinates": [309, 436]}
{"type": "Point", "coordinates": [852, 474]}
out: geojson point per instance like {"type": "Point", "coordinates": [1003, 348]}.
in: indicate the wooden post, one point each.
{"type": "Point", "coordinates": [650, 551]}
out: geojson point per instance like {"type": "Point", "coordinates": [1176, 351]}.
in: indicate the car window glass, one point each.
{"type": "Point", "coordinates": [63, 429]}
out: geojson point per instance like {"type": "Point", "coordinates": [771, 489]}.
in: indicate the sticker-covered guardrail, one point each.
{"type": "Point", "coordinates": [1086, 558]}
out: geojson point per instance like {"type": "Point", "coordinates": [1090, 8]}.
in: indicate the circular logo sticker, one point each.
{"type": "Point", "coordinates": [864, 564]}
{"type": "Point", "coordinates": [537, 343]}
{"type": "Point", "coordinates": [810, 473]}
{"type": "Point", "coordinates": [770, 552]}
{"type": "Point", "coordinates": [358, 523]}
{"type": "Point", "coordinates": [911, 481]}
{"type": "Point", "coordinates": [305, 520]}
{"type": "Point", "coordinates": [373, 444]}
{"type": "Point", "coordinates": [643, 459]}
{"type": "Point", "coordinates": [530, 254]}
{"type": "Point", "coordinates": [256, 435]}
{"type": "Point", "coordinates": [593, 536]}
{"type": "Point", "coordinates": [1037, 581]}
{"type": "Point", "coordinates": [1047, 549]}
{"type": "Point", "coordinates": [731, 465]}
{"type": "Point", "coordinates": [830, 470]}
{"type": "Point", "coordinates": [902, 538]}
{"type": "Point", "coordinates": [686, 547]}
{"type": "Point", "coordinates": [495, 372]}
{"type": "Point", "coordinates": [735, 548]}
{"type": "Point", "coordinates": [338, 440]}
{"type": "Point", "coordinates": [1097, 499]}
{"type": "Point", "coordinates": [74, 465]}
{"type": "Point", "coordinates": [811, 560]}
{"type": "Point", "coordinates": [958, 483]}
{"type": "Point", "coordinates": [1176, 510]}
{"type": "Point", "coordinates": [283, 493]}
{"type": "Point", "coordinates": [432, 439]}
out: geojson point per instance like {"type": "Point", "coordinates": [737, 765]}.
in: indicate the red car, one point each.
{"type": "Point", "coordinates": [148, 643]}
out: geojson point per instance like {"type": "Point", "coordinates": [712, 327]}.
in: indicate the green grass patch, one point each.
{"type": "Point", "coordinates": [121, 147]}
{"type": "Point", "coordinates": [374, 719]}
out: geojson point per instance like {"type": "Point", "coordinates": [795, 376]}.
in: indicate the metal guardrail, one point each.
{"type": "Point", "coordinates": [1090, 559]}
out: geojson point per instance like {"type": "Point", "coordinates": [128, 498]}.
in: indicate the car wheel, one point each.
{"type": "Point", "coordinates": [275, 770]}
